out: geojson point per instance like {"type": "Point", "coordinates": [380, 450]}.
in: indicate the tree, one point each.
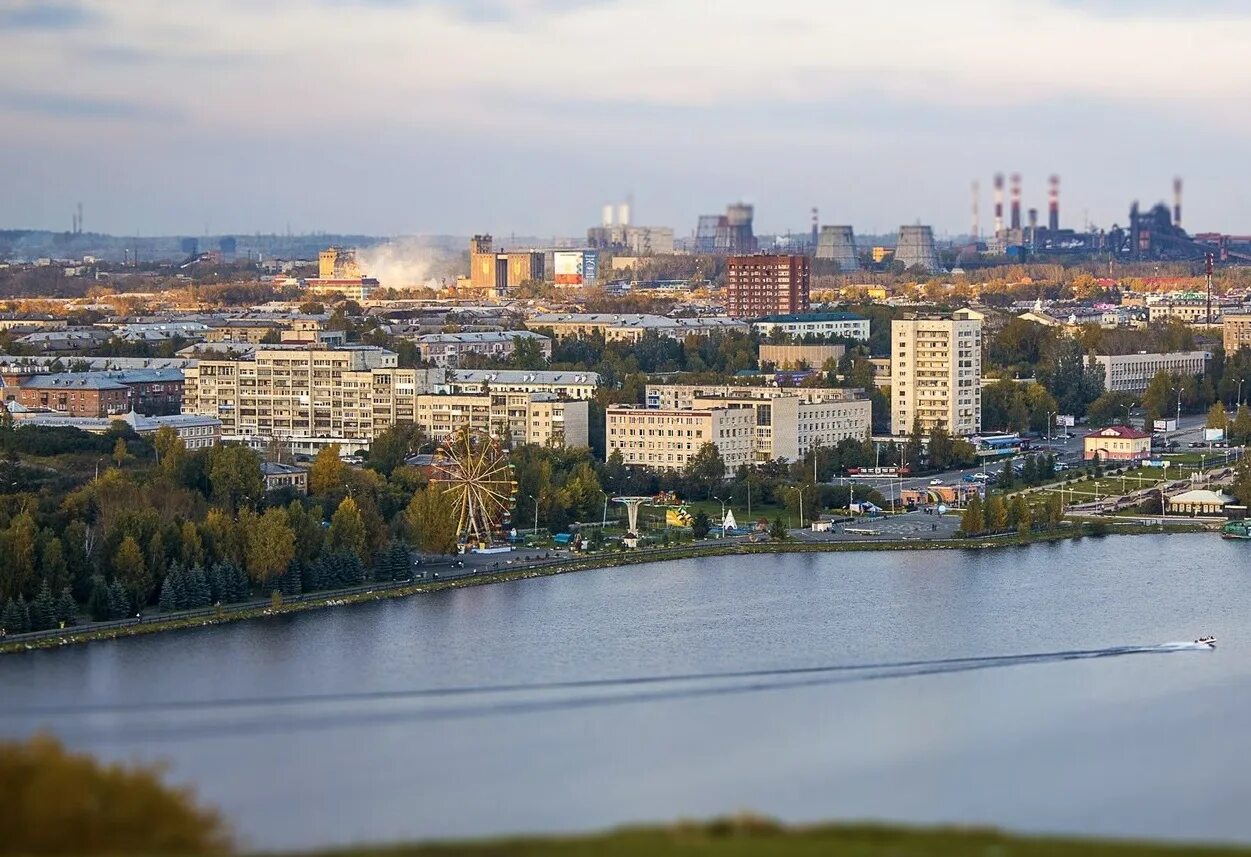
{"type": "Point", "coordinates": [17, 565]}
{"type": "Point", "coordinates": [396, 563]}
{"type": "Point", "coordinates": [1240, 429]}
{"type": "Point", "coordinates": [347, 529]}
{"type": "Point", "coordinates": [191, 546]}
{"type": "Point", "coordinates": [57, 802]}
{"type": "Point", "coordinates": [973, 521]}
{"type": "Point", "coordinates": [52, 563]}
{"type": "Point", "coordinates": [1019, 512]}
{"type": "Point", "coordinates": [42, 609]}
{"type": "Point", "coordinates": [701, 525]}
{"type": "Point", "coordinates": [270, 544]}
{"type": "Point", "coordinates": [432, 521]}
{"type": "Point", "coordinates": [1024, 518]}
{"type": "Point", "coordinates": [234, 473]}
{"type": "Point", "coordinates": [390, 448]}
{"type": "Point", "coordinates": [915, 445]}
{"type": "Point", "coordinates": [1217, 417]}
{"type": "Point", "coordinates": [326, 474]}
{"type": "Point", "coordinates": [1029, 470]}
{"type": "Point", "coordinates": [705, 470]}
{"type": "Point", "coordinates": [132, 571]}
{"type": "Point", "coordinates": [168, 600]}
{"type": "Point", "coordinates": [99, 607]}
{"type": "Point", "coordinates": [120, 453]}
{"type": "Point", "coordinates": [66, 610]}
{"type": "Point", "coordinates": [306, 524]}
{"type": "Point", "coordinates": [171, 452]}
{"type": "Point", "coordinates": [778, 530]}
{"type": "Point", "coordinates": [996, 514]}
{"type": "Point", "coordinates": [1007, 476]}
{"type": "Point", "coordinates": [940, 451]}
{"type": "Point", "coordinates": [1110, 409]}
{"type": "Point", "coordinates": [1055, 510]}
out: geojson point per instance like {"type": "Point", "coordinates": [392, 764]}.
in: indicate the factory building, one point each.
{"type": "Point", "coordinates": [915, 248]}
{"type": "Point", "coordinates": [726, 233]}
{"type": "Point", "coordinates": [495, 272]}
{"type": "Point", "coordinates": [838, 244]}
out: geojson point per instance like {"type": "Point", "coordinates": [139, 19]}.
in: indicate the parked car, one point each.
{"type": "Point", "coordinates": [936, 481]}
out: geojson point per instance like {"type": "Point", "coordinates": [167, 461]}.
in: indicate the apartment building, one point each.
{"type": "Point", "coordinates": [937, 373]}
{"type": "Point", "coordinates": [667, 439]}
{"type": "Point", "coordinates": [1189, 311]}
{"type": "Point", "coordinates": [1132, 373]}
{"type": "Point", "coordinates": [446, 349]}
{"type": "Point", "coordinates": [683, 396]}
{"type": "Point", "coordinates": [846, 324]}
{"type": "Point", "coordinates": [312, 396]}
{"type": "Point", "coordinates": [763, 284]}
{"type": "Point", "coordinates": [1236, 331]}
{"type": "Point", "coordinates": [630, 327]}
{"type": "Point", "coordinates": [800, 356]}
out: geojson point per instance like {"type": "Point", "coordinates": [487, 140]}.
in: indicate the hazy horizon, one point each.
{"type": "Point", "coordinates": [388, 117]}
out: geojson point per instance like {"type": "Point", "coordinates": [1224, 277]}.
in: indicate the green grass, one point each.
{"type": "Point", "coordinates": [748, 837]}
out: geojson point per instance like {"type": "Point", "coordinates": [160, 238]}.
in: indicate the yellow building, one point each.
{"type": "Point", "coordinates": [1117, 443]}
{"type": "Point", "coordinates": [1236, 330]}
{"type": "Point", "coordinates": [666, 440]}
{"type": "Point", "coordinates": [881, 254]}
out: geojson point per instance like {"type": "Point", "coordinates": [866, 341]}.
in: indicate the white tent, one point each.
{"type": "Point", "coordinates": [729, 525]}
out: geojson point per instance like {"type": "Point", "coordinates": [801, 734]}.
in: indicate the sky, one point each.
{"type": "Point", "coordinates": [524, 117]}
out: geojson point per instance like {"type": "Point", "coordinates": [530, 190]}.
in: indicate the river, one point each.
{"type": "Point", "coordinates": [1113, 742]}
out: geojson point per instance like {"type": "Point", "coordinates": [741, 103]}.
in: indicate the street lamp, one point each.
{"type": "Point", "coordinates": [723, 505]}
{"type": "Point", "coordinates": [800, 489]}
{"type": "Point", "coordinates": [1050, 414]}
{"type": "Point", "coordinates": [603, 524]}
{"type": "Point", "coordinates": [536, 514]}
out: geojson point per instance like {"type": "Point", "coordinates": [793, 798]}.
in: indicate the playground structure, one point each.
{"type": "Point", "coordinates": [632, 505]}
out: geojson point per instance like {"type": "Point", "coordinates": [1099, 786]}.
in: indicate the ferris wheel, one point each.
{"type": "Point", "coordinates": [475, 471]}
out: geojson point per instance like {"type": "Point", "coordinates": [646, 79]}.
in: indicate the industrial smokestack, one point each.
{"type": "Point", "coordinates": [998, 203]}
{"type": "Point", "coordinates": [977, 227]}
{"type": "Point", "coordinates": [815, 229]}
{"type": "Point", "coordinates": [623, 214]}
{"type": "Point", "coordinates": [1053, 205]}
{"type": "Point", "coordinates": [1177, 189]}
{"type": "Point", "coordinates": [1016, 201]}
{"type": "Point", "coordinates": [607, 218]}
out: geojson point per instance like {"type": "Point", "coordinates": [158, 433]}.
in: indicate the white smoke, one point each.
{"type": "Point", "coordinates": [402, 263]}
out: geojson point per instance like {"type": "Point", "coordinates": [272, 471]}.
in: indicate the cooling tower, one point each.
{"type": "Point", "coordinates": [916, 248]}
{"type": "Point", "coordinates": [839, 244]}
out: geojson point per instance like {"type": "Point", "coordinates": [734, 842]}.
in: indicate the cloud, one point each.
{"type": "Point", "coordinates": [1161, 8]}
{"type": "Point", "coordinates": [45, 15]}
{"type": "Point", "coordinates": [481, 11]}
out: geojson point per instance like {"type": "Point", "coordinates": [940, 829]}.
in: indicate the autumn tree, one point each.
{"type": "Point", "coordinates": [234, 473]}
{"type": "Point", "coordinates": [973, 521]}
{"type": "Point", "coordinates": [120, 453]}
{"type": "Point", "coordinates": [1217, 417]}
{"type": "Point", "coordinates": [171, 452]}
{"type": "Point", "coordinates": [705, 470]}
{"type": "Point", "coordinates": [270, 544]}
{"type": "Point", "coordinates": [996, 513]}
{"type": "Point", "coordinates": [326, 474]}
{"type": "Point", "coordinates": [132, 571]}
{"type": "Point", "coordinates": [347, 529]}
{"type": "Point", "coordinates": [17, 557]}
{"type": "Point", "coordinates": [432, 521]}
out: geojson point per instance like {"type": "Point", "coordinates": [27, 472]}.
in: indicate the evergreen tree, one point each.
{"type": "Point", "coordinates": [199, 593]}
{"type": "Point", "coordinates": [168, 601]}
{"type": "Point", "coordinates": [351, 569]}
{"type": "Point", "coordinates": [313, 576]}
{"type": "Point", "coordinates": [1047, 468]}
{"type": "Point", "coordinates": [66, 608]}
{"type": "Point", "coordinates": [1029, 470]}
{"type": "Point", "coordinates": [99, 605]}
{"type": "Point", "coordinates": [119, 601]}
{"type": "Point", "coordinates": [1006, 477]}
{"type": "Point", "coordinates": [778, 530]}
{"type": "Point", "coordinates": [240, 586]}
{"type": "Point", "coordinates": [42, 611]}
{"type": "Point", "coordinates": [1021, 515]}
{"type": "Point", "coordinates": [289, 582]}
{"type": "Point", "coordinates": [1055, 510]}
{"type": "Point", "coordinates": [14, 619]}
{"type": "Point", "coordinates": [700, 525]}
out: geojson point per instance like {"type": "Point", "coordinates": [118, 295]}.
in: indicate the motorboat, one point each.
{"type": "Point", "coordinates": [1210, 642]}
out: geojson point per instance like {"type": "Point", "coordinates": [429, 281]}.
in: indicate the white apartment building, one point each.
{"type": "Point", "coordinates": [937, 373]}
{"type": "Point", "coordinates": [816, 323]}
{"type": "Point", "coordinates": [666, 439]}
{"type": "Point", "coordinates": [569, 385]}
{"type": "Point", "coordinates": [1132, 373]}
{"type": "Point", "coordinates": [789, 420]}
{"type": "Point", "coordinates": [312, 396]}
{"type": "Point", "coordinates": [537, 418]}
{"type": "Point", "coordinates": [1189, 311]}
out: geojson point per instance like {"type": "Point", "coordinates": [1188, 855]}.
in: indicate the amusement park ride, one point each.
{"type": "Point", "coordinates": [474, 470]}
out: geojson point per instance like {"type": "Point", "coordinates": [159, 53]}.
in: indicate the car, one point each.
{"type": "Point", "coordinates": [936, 481]}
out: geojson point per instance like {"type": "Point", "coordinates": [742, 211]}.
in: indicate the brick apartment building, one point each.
{"type": "Point", "coordinates": [760, 285]}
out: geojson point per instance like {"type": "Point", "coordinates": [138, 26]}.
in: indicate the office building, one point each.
{"type": "Point", "coordinates": [1132, 373]}
{"type": "Point", "coordinates": [937, 373]}
{"type": "Point", "coordinates": [763, 285]}
{"type": "Point", "coordinates": [630, 327]}
{"type": "Point", "coordinates": [447, 349]}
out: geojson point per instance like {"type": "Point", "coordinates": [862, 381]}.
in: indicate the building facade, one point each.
{"type": "Point", "coordinates": [446, 349]}
{"type": "Point", "coordinates": [763, 285]}
{"type": "Point", "coordinates": [1117, 443]}
{"type": "Point", "coordinates": [844, 324]}
{"type": "Point", "coordinates": [800, 356]}
{"type": "Point", "coordinates": [630, 327]}
{"type": "Point", "coordinates": [1132, 373]}
{"type": "Point", "coordinates": [937, 374]}
{"type": "Point", "coordinates": [1236, 331]}
{"type": "Point", "coordinates": [667, 439]}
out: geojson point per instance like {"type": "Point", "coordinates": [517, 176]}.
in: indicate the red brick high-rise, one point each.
{"type": "Point", "coordinates": [765, 284]}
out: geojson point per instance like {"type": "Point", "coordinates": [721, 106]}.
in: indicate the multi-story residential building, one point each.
{"type": "Point", "coordinates": [764, 284]}
{"type": "Point", "coordinates": [1236, 331]}
{"type": "Point", "coordinates": [846, 324]}
{"type": "Point", "coordinates": [1189, 311]}
{"type": "Point", "coordinates": [667, 439]}
{"type": "Point", "coordinates": [1132, 373]}
{"type": "Point", "coordinates": [800, 356]}
{"type": "Point", "coordinates": [196, 432]}
{"type": "Point", "coordinates": [937, 373]}
{"type": "Point", "coordinates": [630, 327]}
{"type": "Point", "coordinates": [311, 397]}
{"type": "Point", "coordinates": [74, 394]}
{"type": "Point", "coordinates": [789, 420]}
{"type": "Point", "coordinates": [537, 418]}
{"type": "Point", "coordinates": [446, 349]}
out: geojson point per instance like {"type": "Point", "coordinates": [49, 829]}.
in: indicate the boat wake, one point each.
{"type": "Point", "coordinates": [176, 720]}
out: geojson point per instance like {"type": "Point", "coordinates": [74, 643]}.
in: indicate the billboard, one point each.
{"type": "Point", "coordinates": [1164, 425]}
{"type": "Point", "coordinates": [1213, 434]}
{"type": "Point", "coordinates": [575, 267]}
{"type": "Point", "coordinates": [1066, 420]}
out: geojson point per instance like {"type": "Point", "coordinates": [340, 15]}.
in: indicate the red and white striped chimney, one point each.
{"type": "Point", "coordinates": [1053, 205]}
{"type": "Point", "coordinates": [1016, 200]}
{"type": "Point", "coordinates": [998, 203]}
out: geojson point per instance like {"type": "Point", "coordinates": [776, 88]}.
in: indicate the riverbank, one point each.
{"type": "Point", "coordinates": [747, 837]}
{"type": "Point", "coordinates": [713, 548]}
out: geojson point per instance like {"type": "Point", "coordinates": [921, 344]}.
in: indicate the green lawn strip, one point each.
{"type": "Point", "coordinates": [738, 838]}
